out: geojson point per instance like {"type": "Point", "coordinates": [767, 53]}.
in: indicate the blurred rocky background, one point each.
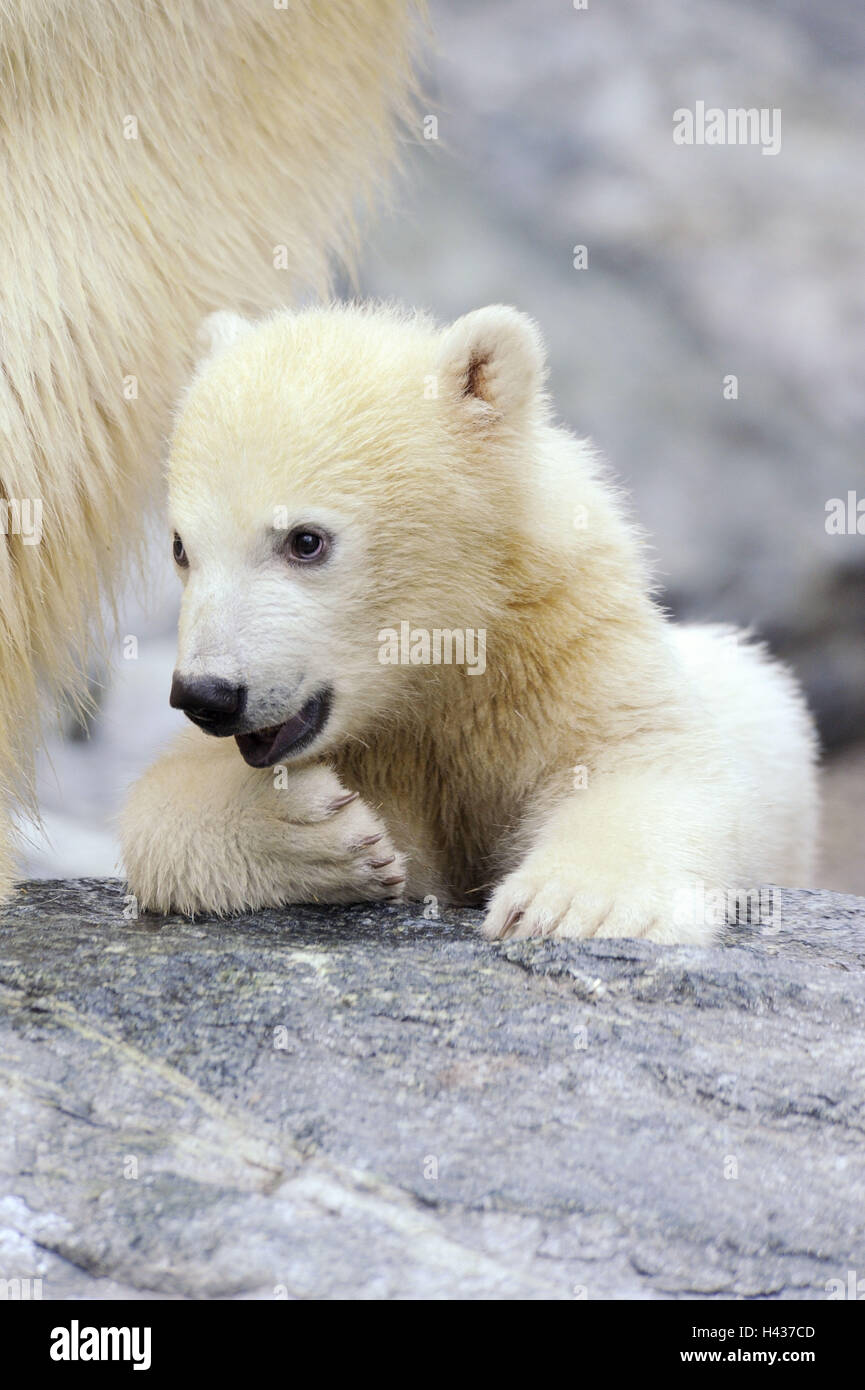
{"type": "Point", "coordinates": [554, 131]}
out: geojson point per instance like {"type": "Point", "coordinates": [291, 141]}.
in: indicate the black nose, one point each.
{"type": "Point", "coordinates": [214, 704]}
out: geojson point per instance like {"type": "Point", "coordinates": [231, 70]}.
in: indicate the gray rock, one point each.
{"type": "Point", "coordinates": [327, 1102]}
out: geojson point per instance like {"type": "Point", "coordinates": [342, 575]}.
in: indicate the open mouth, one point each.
{"type": "Point", "coordinates": [265, 747]}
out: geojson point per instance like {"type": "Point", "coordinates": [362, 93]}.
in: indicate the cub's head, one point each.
{"type": "Point", "coordinates": [335, 474]}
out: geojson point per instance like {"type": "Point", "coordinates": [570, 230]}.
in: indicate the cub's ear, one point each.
{"type": "Point", "coordinates": [217, 332]}
{"type": "Point", "coordinates": [492, 362]}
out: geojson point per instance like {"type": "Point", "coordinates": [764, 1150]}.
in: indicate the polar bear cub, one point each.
{"type": "Point", "coordinates": [419, 646]}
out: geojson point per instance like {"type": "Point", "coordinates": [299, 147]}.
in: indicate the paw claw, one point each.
{"type": "Point", "coordinates": [510, 923]}
{"type": "Point", "coordinates": [368, 841]}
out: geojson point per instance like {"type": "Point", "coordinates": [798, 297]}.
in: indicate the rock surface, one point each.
{"type": "Point", "coordinates": [361, 1103]}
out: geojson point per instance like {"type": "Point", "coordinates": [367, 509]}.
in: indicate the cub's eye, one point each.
{"type": "Point", "coordinates": [180, 556]}
{"type": "Point", "coordinates": [306, 544]}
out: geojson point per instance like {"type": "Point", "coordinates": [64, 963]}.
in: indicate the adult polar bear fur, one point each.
{"type": "Point", "coordinates": [159, 158]}
{"type": "Point", "coordinates": [607, 773]}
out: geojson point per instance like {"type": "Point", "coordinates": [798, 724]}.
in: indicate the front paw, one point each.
{"type": "Point", "coordinates": [339, 851]}
{"type": "Point", "coordinates": [220, 840]}
{"type": "Point", "coordinates": [563, 903]}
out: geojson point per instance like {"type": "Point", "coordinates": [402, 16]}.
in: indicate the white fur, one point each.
{"type": "Point", "coordinates": [607, 773]}
{"type": "Point", "coordinates": [258, 129]}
